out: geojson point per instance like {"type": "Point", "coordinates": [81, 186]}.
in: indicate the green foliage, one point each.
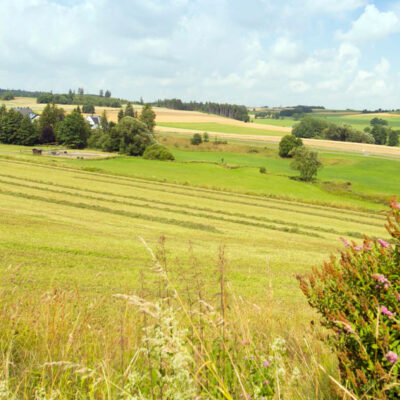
{"type": "Point", "coordinates": [196, 139]}
{"type": "Point", "coordinates": [206, 137]}
{"type": "Point", "coordinates": [310, 127]}
{"type": "Point", "coordinates": [306, 162]}
{"type": "Point", "coordinates": [148, 117]}
{"type": "Point", "coordinates": [380, 133]}
{"type": "Point", "coordinates": [263, 170]}
{"type": "Point", "coordinates": [129, 111]}
{"type": "Point", "coordinates": [8, 96]}
{"type": "Point", "coordinates": [50, 117]}
{"type": "Point", "coordinates": [73, 131]}
{"type": "Point", "coordinates": [88, 108]}
{"type": "Point", "coordinates": [358, 296]}
{"type": "Point", "coordinates": [288, 144]}
{"type": "Point", "coordinates": [44, 98]}
{"type": "Point", "coordinates": [393, 138]}
{"type": "Point", "coordinates": [378, 121]}
{"type": "Point", "coordinates": [27, 134]}
{"type": "Point", "coordinates": [158, 152]}
{"type": "Point", "coordinates": [133, 136]}
{"type": "Point", "coordinates": [10, 123]}
{"type": "Point", "coordinates": [121, 114]}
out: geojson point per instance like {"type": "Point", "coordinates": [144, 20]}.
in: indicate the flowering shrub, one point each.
{"type": "Point", "coordinates": [358, 296]}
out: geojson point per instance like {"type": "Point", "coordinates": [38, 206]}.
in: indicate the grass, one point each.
{"type": "Point", "coordinates": [70, 241]}
{"type": "Point", "coordinates": [223, 128]}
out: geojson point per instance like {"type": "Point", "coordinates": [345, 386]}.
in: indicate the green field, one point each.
{"type": "Point", "coordinates": [216, 127]}
{"type": "Point", "coordinates": [70, 240]}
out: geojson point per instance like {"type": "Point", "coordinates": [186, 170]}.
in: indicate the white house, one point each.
{"type": "Point", "coordinates": [94, 121]}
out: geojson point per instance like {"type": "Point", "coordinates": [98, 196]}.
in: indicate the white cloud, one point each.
{"type": "Point", "coordinates": [372, 25]}
{"type": "Point", "coordinates": [337, 6]}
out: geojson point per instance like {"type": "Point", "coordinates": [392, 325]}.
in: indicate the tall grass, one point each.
{"type": "Point", "coordinates": [169, 339]}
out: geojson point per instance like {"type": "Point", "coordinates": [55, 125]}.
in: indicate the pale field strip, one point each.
{"type": "Point", "coordinates": [363, 148]}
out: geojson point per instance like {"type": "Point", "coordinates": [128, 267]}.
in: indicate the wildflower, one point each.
{"type": "Point", "coordinates": [367, 246]}
{"type": "Point", "coordinates": [385, 311]}
{"type": "Point", "coordinates": [358, 248]}
{"type": "Point", "coordinates": [380, 278]}
{"type": "Point", "coordinates": [383, 243]}
{"type": "Point", "coordinates": [244, 342]}
{"type": "Point", "coordinates": [279, 346]}
{"type": "Point", "coordinates": [392, 357]}
{"type": "Point", "coordinates": [396, 205]}
{"type": "Point", "coordinates": [345, 242]}
{"type": "Point", "coordinates": [266, 364]}
{"type": "Point", "coordinates": [397, 296]}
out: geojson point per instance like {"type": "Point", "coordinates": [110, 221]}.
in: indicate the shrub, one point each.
{"type": "Point", "coordinates": [206, 137]}
{"type": "Point", "coordinates": [393, 138]}
{"type": "Point", "coordinates": [288, 144]}
{"type": "Point", "coordinates": [358, 296]}
{"type": "Point", "coordinates": [306, 162]}
{"type": "Point", "coordinates": [158, 152]}
{"type": "Point", "coordinates": [196, 139]}
{"type": "Point", "coordinates": [263, 170]}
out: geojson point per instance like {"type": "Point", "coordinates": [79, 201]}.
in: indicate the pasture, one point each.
{"type": "Point", "coordinates": [71, 239]}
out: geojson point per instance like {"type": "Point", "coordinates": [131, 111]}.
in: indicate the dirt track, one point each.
{"type": "Point", "coordinates": [323, 144]}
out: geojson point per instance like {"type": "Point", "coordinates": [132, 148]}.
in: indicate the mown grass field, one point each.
{"type": "Point", "coordinates": [71, 238]}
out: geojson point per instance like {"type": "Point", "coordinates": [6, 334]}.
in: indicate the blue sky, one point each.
{"type": "Point", "coordinates": [336, 53]}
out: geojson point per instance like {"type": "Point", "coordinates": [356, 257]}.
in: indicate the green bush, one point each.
{"type": "Point", "coordinates": [158, 152]}
{"type": "Point", "coordinates": [288, 144]}
{"type": "Point", "coordinates": [196, 139]}
{"type": "Point", "coordinates": [358, 296]}
{"type": "Point", "coordinates": [263, 170]}
{"type": "Point", "coordinates": [7, 96]}
{"type": "Point", "coordinates": [88, 108]}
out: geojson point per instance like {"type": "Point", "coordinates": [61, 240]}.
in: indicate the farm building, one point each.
{"type": "Point", "coordinates": [26, 111]}
{"type": "Point", "coordinates": [94, 121]}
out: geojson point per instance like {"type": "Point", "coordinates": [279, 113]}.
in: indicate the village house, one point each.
{"type": "Point", "coordinates": [94, 121]}
{"type": "Point", "coordinates": [26, 111]}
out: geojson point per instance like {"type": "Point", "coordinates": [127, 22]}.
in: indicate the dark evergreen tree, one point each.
{"type": "Point", "coordinates": [121, 114]}
{"type": "Point", "coordinates": [129, 111]}
{"type": "Point", "coordinates": [393, 138]}
{"type": "Point", "coordinates": [73, 131]}
{"type": "Point", "coordinates": [107, 93]}
{"type": "Point", "coordinates": [27, 134]}
{"type": "Point", "coordinates": [148, 117]}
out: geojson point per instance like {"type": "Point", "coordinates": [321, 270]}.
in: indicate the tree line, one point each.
{"type": "Point", "coordinates": [226, 110]}
{"type": "Point", "coordinates": [318, 128]}
{"type": "Point", "coordinates": [80, 99]}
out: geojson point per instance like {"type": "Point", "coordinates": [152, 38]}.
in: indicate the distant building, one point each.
{"type": "Point", "coordinates": [94, 121]}
{"type": "Point", "coordinates": [26, 111]}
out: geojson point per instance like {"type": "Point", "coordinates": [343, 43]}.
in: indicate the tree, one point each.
{"type": "Point", "coordinates": [393, 138]}
{"type": "Point", "coordinates": [101, 93]}
{"type": "Point", "coordinates": [104, 122]}
{"type": "Point", "coordinates": [27, 134]}
{"type": "Point", "coordinates": [378, 121]}
{"type": "Point", "coordinates": [306, 162]}
{"type": "Point", "coordinates": [310, 127]}
{"type": "Point", "coordinates": [288, 144]}
{"type": "Point", "coordinates": [148, 117]}
{"type": "Point", "coordinates": [44, 98]}
{"type": "Point", "coordinates": [379, 132]}
{"type": "Point", "coordinates": [129, 111]}
{"type": "Point", "coordinates": [10, 123]}
{"type": "Point", "coordinates": [50, 117]}
{"type": "Point", "coordinates": [141, 100]}
{"type": "Point", "coordinates": [107, 93]}
{"type": "Point", "coordinates": [134, 137]}
{"type": "Point", "coordinates": [88, 108]}
{"type": "Point", "coordinates": [73, 131]}
{"type": "Point", "coordinates": [206, 137]}
{"type": "Point", "coordinates": [121, 114]}
{"type": "Point", "coordinates": [8, 96]}
{"type": "Point", "coordinates": [81, 91]}
{"type": "Point", "coordinates": [196, 139]}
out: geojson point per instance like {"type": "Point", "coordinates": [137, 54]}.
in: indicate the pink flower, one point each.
{"type": "Point", "coordinates": [383, 243]}
{"type": "Point", "coordinates": [244, 342]}
{"type": "Point", "coordinates": [392, 357]}
{"type": "Point", "coordinates": [358, 248]}
{"type": "Point", "coordinates": [380, 278]}
{"type": "Point", "coordinates": [266, 364]}
{"type": "Point", "coordinates": [345, 242]}
{"type": "Point", "coordinates": [385, 311]}
{"type": "Point", "coordinates": [368, 246]}
{"type": "Point", "coordinates": [395, 205]}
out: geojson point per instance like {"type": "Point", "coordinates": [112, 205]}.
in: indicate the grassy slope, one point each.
{"type": "Point", "coordinates": [216, 127]}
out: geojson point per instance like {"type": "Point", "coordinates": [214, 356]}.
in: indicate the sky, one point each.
{"type": "Point", "coordinates": [336, 53]}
